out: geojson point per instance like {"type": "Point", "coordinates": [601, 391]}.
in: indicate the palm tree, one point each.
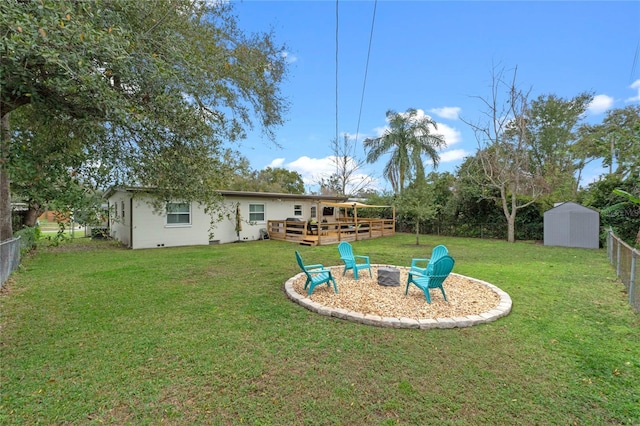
{"type": "Point", "coordinates": [407, 139]}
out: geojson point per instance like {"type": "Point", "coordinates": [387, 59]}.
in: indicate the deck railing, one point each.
{"type": "Point", "coordinates": [344, 229]}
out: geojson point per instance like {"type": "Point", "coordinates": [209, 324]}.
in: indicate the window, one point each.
{"type": "Point", "coordinates": [124, 216]}
{"type": "Point", "coordinates": [178, 214]}
{"type": "Point", "coordinates": [314, 212]}
{"type": "Point", "coordinates": [327, 211]}
{"type": "Point", "coordinates": [115, 209]}
{"type": "Point", "coordinates": [297, 209]}
{"type": "Point", "coordinates": [256, 212]}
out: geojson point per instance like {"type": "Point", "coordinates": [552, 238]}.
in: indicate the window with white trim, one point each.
{"type": "Point", "coordinates": [256, 212]}
{"type": "Point", "coordinates": [178, 213]}
{"type": "Point", "coordinates": [297, 209]}
{"type": "Point", "coordinates": [124, 216]}
{"type": "Point", "coordinates": [314, 212]}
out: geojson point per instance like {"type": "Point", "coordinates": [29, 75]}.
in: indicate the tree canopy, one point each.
{"type": "Point", "coordinates": [616, 141]}
{"type": "Point", "coordinates": [160, 87]}
{"type": "Point", "coordinates": [269, 180]}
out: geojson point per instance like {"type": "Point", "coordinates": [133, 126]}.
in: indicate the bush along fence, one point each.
{"type": "Point", "coordinates": [9, 258]}
{"type": "Point", "coordinates": [625, 259]}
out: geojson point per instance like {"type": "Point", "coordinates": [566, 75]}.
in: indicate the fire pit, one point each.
{"type": "Point", "coordinates": [388, 276]}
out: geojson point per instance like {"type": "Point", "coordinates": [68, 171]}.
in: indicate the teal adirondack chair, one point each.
{"type": "Point", "coordinates": [351, 261]}
{"type": "Point", "coordinates": [433, 278]}
{"type": "Point", "coordinates": [316, 275]}
{"type": "Point", "coordinates": [436, 253]}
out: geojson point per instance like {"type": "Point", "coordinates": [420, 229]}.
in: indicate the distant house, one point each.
{"type": "Point", "coordinates": [135, 222]}
{"type": "Point", "coordinates": [572, 225]}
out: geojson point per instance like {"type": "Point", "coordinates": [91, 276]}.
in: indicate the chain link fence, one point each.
{"type": "Point", "coordinates": [9, 258]}
{"type": "Point", "coordinates": [625, 259]}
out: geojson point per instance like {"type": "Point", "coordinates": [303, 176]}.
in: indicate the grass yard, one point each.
{"type": "Point", "coordinates": [92, 333]}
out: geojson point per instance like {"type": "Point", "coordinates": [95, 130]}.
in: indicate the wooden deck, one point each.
{"type": "Point", "coordinates": [330, 232]}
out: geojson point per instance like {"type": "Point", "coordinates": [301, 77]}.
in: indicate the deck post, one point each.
{"type": "Point", "coordinates": [355, 221]}
{"type": "Point", "coordinates": [394, 219]}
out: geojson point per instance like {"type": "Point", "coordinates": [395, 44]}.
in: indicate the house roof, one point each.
{"type": "Point", "coordinates": [352, 204]}
{"type": "Point", "coordinates": [319, 198]}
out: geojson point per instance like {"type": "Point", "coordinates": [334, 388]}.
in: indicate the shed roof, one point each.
{"type": "Point", "coordinates": [570, 206]}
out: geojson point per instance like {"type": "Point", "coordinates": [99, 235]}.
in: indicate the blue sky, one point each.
{"type": "Point", "coordinates": [437, 57]}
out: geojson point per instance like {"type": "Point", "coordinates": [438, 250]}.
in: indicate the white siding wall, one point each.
{"type": "Point", "coordinates": [119, 225]}
{"type": "Point", "coordinates": [151, 230]}
{"type": "Point", "coordinates": [274, 209]}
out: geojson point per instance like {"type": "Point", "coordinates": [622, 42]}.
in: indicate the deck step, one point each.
{"type": "Point", "coordinates": [309, 242]}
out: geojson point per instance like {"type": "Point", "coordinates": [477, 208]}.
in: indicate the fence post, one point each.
{"type": "Point", "coordinates": [618, 258]}
{"type": "Point", "coordinates": [632, 279]}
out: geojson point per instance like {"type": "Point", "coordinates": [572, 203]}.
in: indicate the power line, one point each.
{"type": "Point", "coordinates": [635, 62]}
{"type": "Point", "coordinates": [336, 70]}
{"type": "Point", "coordinates": [366, 69]}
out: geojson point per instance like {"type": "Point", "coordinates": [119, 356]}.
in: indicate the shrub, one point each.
{"type": "Point", "coordinates": [29, 237]}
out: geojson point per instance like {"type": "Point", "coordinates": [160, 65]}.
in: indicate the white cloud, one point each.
{"type": "Point", "coordinates": [311, 169]}
{"type": "Point", "coordinates": [289, 58]}
{"type": "Point", "coordinates": [353, 136]}
{"type": "Point", "coordinates": [635, 86]}
{"type": "Point", "coordinates": [450, 113]}
{"type": "Point", "coordinates": [308, 165]}
{"type": "Point", "coordinates": [600, 104]}
{"type": "Point", "coordinates": [379, 131]}
{"type": "Point", "coordinates": [451, 135]}
{"type": "Point", "coordinates": [278, 162]}
{"type": "Point", "coordinates": [453, 155]}
{"type": "Point", "coordinates": [314, 169]}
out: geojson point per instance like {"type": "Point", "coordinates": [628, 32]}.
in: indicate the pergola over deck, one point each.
{"type": "Point", "coordinates": [345, 228]}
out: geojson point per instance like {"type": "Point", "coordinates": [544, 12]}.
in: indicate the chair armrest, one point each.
{"type": "Point", "coordinates": [414, 262]}
{"type": "Point", "coordinates": [320, 271]}
{"type": "Point", "coordinates": [363, 257]}
{"type": "Point", "coordinates": [316, 266]}
{"type": "Point", "coordinates": [416, 274]}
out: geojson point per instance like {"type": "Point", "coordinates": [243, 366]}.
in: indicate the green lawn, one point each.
{"type": "Point", "coordinates": [92, 333]}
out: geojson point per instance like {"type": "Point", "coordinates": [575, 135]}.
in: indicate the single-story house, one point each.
{"type": "Point", "coordinates": [136, 223]}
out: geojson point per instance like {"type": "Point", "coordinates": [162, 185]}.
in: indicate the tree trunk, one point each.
{"type": "Point", "coordinates": [511, 228]}
{"type": "Point", "coordinates": [6, 231]}
{"type": "Point", "coordinates": [510, 215]}
{"type": "Point", "coordinates": [417, 232]}
{"type": "Point", "coordinates": [31, 217]}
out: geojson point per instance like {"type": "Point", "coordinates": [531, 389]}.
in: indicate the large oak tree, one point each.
{"type": "Point", "coordinates": [161, 86]}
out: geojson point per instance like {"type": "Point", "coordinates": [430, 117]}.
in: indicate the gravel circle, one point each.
{"type": "Point", "coordinates": [465, 296]}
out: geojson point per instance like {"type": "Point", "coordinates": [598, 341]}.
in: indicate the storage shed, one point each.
{"type": "Point", "coordinates": [571, 225]}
